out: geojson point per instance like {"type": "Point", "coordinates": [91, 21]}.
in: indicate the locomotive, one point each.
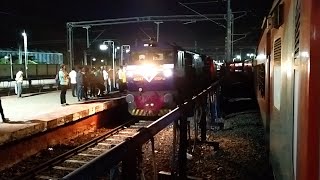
{"type": "Point", "coordinates": [287, 71]}
{"type": "Point", "coordinates": [159, 78]}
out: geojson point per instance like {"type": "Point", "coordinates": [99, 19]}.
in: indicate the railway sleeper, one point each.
{"type": "Point", "coordinates": [64, 168]}
{"type": "Point", "coordinates": [46, 177]}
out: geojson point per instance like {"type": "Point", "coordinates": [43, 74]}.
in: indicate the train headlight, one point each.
{"type": "Point", "coordinates": [130, 98]}
{"type": "Point", "coordinates": [167, 73]}
{"type": "Point", "coordinates": [130, 73]}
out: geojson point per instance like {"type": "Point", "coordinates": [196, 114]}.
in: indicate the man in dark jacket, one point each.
{"type": "Point", "coordinates": [79, 81]}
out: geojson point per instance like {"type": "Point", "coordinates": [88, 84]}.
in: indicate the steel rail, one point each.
{"type": "Point", "coordinates": [31, 173]}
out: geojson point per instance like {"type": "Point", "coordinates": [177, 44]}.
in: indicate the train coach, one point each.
{"type": "Point", "coordinates": [287, 71]}
{"type": "Point", "coordinates": [158, 78]}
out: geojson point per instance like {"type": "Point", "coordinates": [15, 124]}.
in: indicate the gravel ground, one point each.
{"type": "Point", "coordinates": [242, 153]}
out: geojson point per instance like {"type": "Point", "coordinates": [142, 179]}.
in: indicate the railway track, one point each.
{"type": "Point", "coordinates": [70, 161]}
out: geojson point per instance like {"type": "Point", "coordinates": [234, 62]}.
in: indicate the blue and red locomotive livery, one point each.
{"type": "Point", "coordinates": [158, 77]}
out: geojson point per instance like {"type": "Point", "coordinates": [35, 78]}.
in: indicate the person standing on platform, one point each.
{"type": "Point", "coordinates": [105, 80]}
{"type": "Point", "coordinates": [19, 81]}
{"type": "Point", "coordinates": [80, 84]}
{"type": "Point", "coordinates": [2, 114]}
{"type": "Point", "coordinates": [73, 81]}
{"type": "Point", "coordinates": [64, 81]}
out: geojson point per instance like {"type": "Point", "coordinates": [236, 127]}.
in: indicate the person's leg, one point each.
{"type": "Point", "coordinates": [64, 94]}
{"type": "Point", "coordinates": [79, 95]}
{"type": "Point", "coordinates": [19, 89]}
{"type": "Point", "coordinates": [1, 112]}
{"type": "Point", "coordinates": [61, 95]}
{"type": "Point", "coordinates": [73, 88]}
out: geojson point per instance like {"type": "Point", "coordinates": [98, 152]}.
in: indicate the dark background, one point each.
{"type": "Point", "coordinates": [45, 22]}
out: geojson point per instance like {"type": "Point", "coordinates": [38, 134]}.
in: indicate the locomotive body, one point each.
{"type": "Point", "coordinates": [159, 78]}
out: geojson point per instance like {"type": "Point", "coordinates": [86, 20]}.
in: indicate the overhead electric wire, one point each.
{"type": "Point", "coordinates": [219, 24]}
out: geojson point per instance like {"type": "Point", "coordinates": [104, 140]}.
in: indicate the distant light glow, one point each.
{"type": "Point", "coordinates": [146, 45]}
{"type": "Point", "coordinates": [103, 47]}
{"type": "Point", "coordinates": [24, 34]}
{"type": "Point", "coordinates": [167, 72]}
{"type": "Point", "coordinates": [168, 66]}
{"type": "Point", "coordinates": [127, 50]}
{"type": "Point", "coordinates": [94, 59]}
{"type": "Point", "coordinates": [102, 60]}
{"type": "Point", "coordinates": [6, 57]}
{"type": "Point", "coordinates": [118, 47]}
{"type": "Point", "coordinates": [305, 54]}
{"type": "Point", "coordinates": [238, 57]}
{"type": "Point", "coordinates": [261, 57]}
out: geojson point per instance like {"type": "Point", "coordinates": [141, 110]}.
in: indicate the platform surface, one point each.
{"type": "Point", "coordinates": [34, 113]}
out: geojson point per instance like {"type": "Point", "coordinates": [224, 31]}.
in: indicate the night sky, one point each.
{"type": "Point", "coordinates": [45, 21]}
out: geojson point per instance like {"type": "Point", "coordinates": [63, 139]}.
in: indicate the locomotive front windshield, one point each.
{"type": "Point", "coordinates": [154, 57]}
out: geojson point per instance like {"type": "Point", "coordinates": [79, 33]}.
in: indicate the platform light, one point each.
{"type": "Point", "coordinates": [103, 47]}
{"type": "Point", "coordinates": [102, 60]}
{"type": "Point", "coordinates": [94, 59]}
{"type": "Point", "coordinates": [261, 57]}
{"type": "Point", "coordinates": [305, 54]}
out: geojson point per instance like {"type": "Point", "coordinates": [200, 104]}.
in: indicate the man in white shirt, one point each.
{"type": "Point", "coordinates": [105, 79]}
{"type": "Point", "coordinates": [73, 81]}
{"type": "Point", "coordinates": [19, 81]}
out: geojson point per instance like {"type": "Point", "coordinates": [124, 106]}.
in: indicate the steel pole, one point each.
{"type": "Point", "coordinates": [25, 40]}
{"type": "Point", "coordinates": [121, 55]}
{"type": "Point", "coordinates": [11, 67]}
{"type": "Point", "coordinates": [88, 45]}
{"type": "Point", "coordinates": [113, 67]}
{"type": "Point", "coordinates": [70, 47]}
{"type": "Point", "coordinates": [158, 30]}
{"type": "Point", "coordinates": [229, 32]}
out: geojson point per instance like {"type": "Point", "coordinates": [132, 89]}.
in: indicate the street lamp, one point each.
{"type": "Point", "coordinates": [251, 55]}
{"type": "Point", "coordinates": [127, 49]}
{"type": "Point", "coordinates": [104, 47]}
{"type": "Point", "coordinates": [25, 42]}
{"type": "Point", "coordinates": [11, 69]}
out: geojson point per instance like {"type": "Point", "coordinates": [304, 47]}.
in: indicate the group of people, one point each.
{"type": "Point", "coordinates": [87, 82]}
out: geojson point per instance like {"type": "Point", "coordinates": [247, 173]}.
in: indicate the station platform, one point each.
{"type": "Point", "coordinates": [35, 113]}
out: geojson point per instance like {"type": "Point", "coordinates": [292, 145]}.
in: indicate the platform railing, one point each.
{"type": "Point", "coordinates": [130, 151]}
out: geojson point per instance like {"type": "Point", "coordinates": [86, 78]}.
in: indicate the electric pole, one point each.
{"type": "Point", "coordinates": [229, 33]}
